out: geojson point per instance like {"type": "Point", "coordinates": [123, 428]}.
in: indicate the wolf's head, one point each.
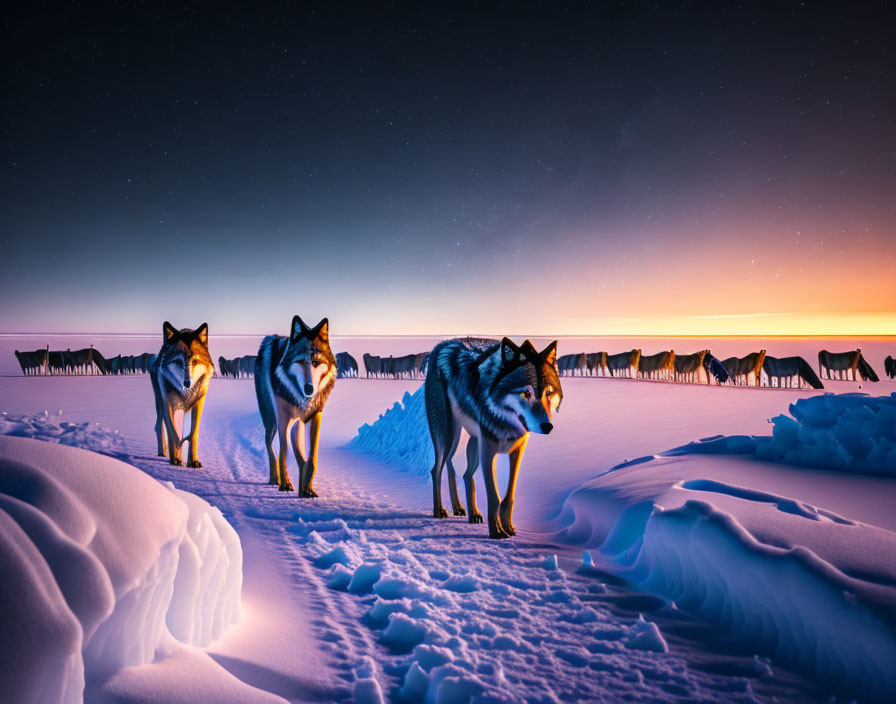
{"type": "Point", "coordinates": [186, 363]}
{"type": "Point", "coordinates": [308, 364]}
{"type": "Point", "coordinates": [528, 385]}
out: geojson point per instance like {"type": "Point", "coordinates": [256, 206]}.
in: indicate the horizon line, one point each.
{"type": "Point", "coordinates": [455, 335]}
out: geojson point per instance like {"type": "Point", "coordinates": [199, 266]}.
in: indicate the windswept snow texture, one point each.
{"type": "Point", "coordinates": [848, 432]}
{"type": "Point", "coordinates": [400, 436]}
{"type": "Point", "coordinates": [806, 585]}
{"type": "Point", "coordinates": [100, 562]}
{"type": "Point", "coordinates": [52, 428]}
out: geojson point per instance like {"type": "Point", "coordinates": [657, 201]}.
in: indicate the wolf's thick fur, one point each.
{"type": "Point", "coordinates": [498, 392]}
{"type": "Point", "coordinates": [293, 378]}
{"type": "Point", "coordinates": [180, 376]}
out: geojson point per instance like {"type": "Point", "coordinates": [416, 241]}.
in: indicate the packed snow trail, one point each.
{"type": "Point", "coordinates": [365, 596]}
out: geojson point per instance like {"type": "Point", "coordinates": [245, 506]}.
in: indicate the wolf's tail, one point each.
{"type": "Point", "coordinates": [808, 374]}
{"type": "Point", "coordinates": [866, 371]}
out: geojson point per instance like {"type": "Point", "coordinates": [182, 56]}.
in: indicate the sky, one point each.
{"type": "Point", "coordinates": [646, 168]}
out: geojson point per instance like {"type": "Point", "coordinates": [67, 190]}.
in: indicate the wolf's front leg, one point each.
{"type": "Point", "coordinates": [306, 478]}
{"type": "Point", "coordinates": [283, 431]}
{"type": "Point", "coordinates": [174, 456]}
{"type": "Point", "coordinates": [488, 454]}
{"type": "Point", "coordinates": [506, 512]}
{"type": "Point", "coordinates": [195, 418]}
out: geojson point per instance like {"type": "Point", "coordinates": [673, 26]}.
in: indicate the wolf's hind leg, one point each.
{"type": "Point", "coordinates": [270, 432]}
{"type": "Point", "coordinates": [438, 414]}
{"type": "Point", "coordinates": [456, 506]}
{"type": "Point", "coordinates": [469, 483]}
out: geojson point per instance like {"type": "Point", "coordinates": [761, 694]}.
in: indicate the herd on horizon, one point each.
{"type": "Point", "coordinates": [662, 366]}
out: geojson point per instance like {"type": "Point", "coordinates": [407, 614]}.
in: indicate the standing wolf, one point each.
{"type": "Point", "coordinates": [498, 392]}
{"type": "Point", "coordinates": [293, 378]}
{"type": "Point", "coordinates": [180, 377]}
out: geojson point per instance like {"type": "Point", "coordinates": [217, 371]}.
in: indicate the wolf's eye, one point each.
{"type": "Point", "coordinates": [316, 363]}
{"type": "Point", "coordinates": [525, 395]}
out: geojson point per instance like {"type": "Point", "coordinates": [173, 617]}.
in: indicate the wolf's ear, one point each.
{"type": "Point", "coordinates": [509, 351]}
{"type": "Point", "coordinates": [322, 330]}
{"type": "Point", "coordinates": [201, 333]}
{"type": "Point", "coordinates": [168, 331]}
{"type": "Point", "coordinates": [549, 354]}
{"type": "Point", "coordinates": [297, 329]}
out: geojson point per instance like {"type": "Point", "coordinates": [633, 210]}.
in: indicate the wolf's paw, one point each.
{"type": "Point", "coordinates": [287, 486]}
{"type": "Point", "coordinates": [308, 493]}
{"type": "Point", "coordinates": [274, 482]}
{"type": "Point", "coordinates": [498, 533]}
{"type": "Point", "coordinates": [177, 462]}
{"type": "Point", "coordinates": [440, 513]}
{"type": "Point", "coordinates": [194, 464]}
{"type": "Point", "coordinates": [460, 511]}
{"type": "Point", "coordinates": [162, 453]}
{"type": "Point", "coordinates": [474, 517]}
{"type": "Point", "coordinates": [508, 528]}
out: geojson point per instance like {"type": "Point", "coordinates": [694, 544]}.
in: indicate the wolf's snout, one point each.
{"type": "Point", "coordinates": [309, 389]}
{"type": "Point", "coordinates": [547, 427]}
{"type": "Point", "coordinates": [186, 383]}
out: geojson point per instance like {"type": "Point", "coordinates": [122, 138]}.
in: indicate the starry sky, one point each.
{"type": "Point", "coordinates": [637, 168]}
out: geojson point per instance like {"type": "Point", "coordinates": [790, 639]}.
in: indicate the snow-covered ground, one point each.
{"type": "Point", "coordinates": [361, 594]}
{"type": "Point", "coordinates": [103, 568]}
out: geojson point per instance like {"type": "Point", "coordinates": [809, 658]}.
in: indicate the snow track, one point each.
{"type": "Point", "coordinates": [383, 603]}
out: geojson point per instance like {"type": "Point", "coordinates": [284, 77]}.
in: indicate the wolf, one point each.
{"type": "Point", "coordinates": [293, 377]}
{"type": "Point", "coordinates": [498, 392]}
{"type": "Point", "coordinates": [180, 376]}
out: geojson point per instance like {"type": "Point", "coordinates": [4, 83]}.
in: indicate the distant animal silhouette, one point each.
{"type": "Point", "coordinates": [890, 367]}
{"type": "Point", "coordinates": [687, 366]}
{"type": "Point", "coordinates": [715, 368]}
{"type": "Point", "coordinates": [786, 368]}
{"type": "Point", "coordinates": [35, 362]}
{"type": "Point", "coordinates": [596, 363]}
{"type": "Point", "coordinates": [346, 365]}
{"type": "Point", "coordinates": [656, 366]}
{"type": "Point", "coordinates": [740, 368]}
{"type": "Point", "coordinates": [846, 364]}
{"type": "Point", "coordinates": [624, 363]}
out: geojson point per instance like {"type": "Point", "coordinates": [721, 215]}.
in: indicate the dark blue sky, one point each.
{"type": "Point", "coordinates": [444, 170]}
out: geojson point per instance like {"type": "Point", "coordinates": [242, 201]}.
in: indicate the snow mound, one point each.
{"type": "Point", "coordinates": [845, 432]}
{"type": "Point", "coordinates": [51, 428]}
{"type": "Point", "coordinates": [400, 436]}
{"type": "Point", "coordinates": [100, 563]}
{"type": "Point", "coordinates": [805, 585]}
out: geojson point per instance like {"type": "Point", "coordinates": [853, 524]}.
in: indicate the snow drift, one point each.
{"type": "Point", "coordinates": [812, 588]}
{"type": "Point", "coordinates": [52, 428]}
{"type": "Point", "coordinates": [100, 563]}
{"type": "Point", "coordinates": [400, 436]}
{"type": "Point", "coordinates": [846, 432]}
